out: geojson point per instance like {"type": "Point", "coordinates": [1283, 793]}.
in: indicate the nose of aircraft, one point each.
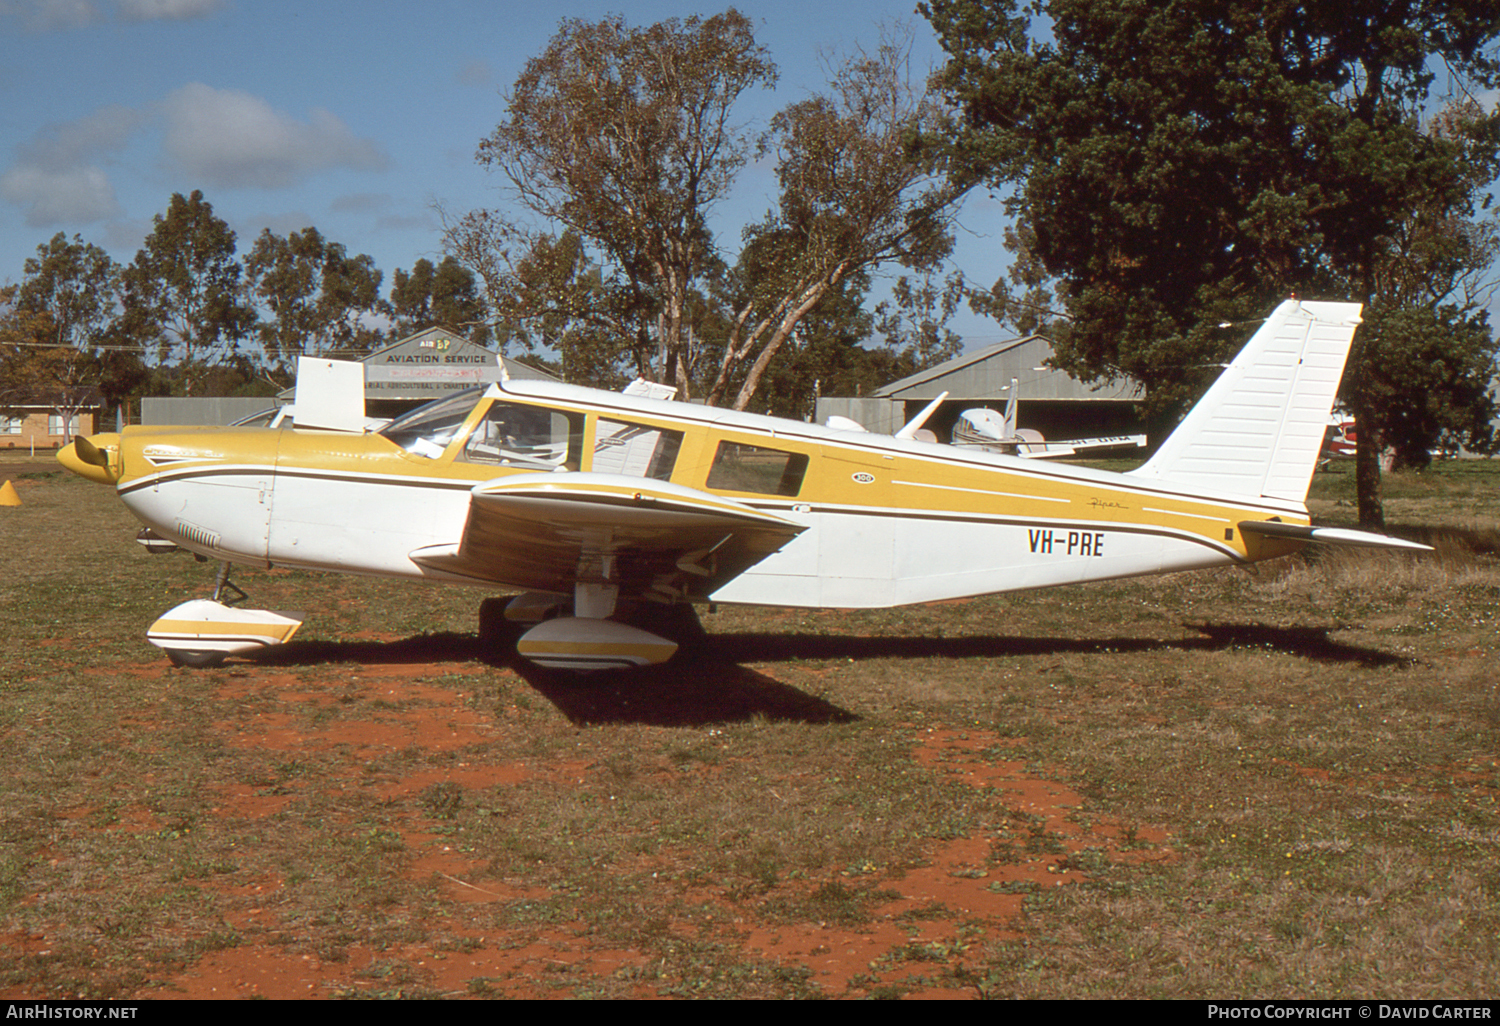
{"type": "Point", "coordinates": [96, 458]}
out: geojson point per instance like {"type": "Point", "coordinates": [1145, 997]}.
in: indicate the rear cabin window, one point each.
{"type": "Point", "coordinates": [750, 468]}
{"type": "Point", "coordinates": [638, 450]}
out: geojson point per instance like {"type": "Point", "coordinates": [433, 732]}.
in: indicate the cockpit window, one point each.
{"type": "Point", "coordinates": [428, 430]}
{"type": "Point", "coordinates": [534, 437]}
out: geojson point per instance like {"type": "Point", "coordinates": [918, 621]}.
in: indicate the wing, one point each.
{"type": "Point", "coordinates": [548, 532]}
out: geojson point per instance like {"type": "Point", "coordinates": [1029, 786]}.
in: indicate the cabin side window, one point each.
{"type": "Point", "coordinates": [530, 437]}
{"type": "Point", "coordinates": [637, 450]}
{"type": "Point", "coordinates": [750, 468]}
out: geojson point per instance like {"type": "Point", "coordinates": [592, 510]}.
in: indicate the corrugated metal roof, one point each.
{"type": "Point", "coordinates": [986, 374]}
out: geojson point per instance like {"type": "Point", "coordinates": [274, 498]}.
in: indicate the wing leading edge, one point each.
{"type": "Point", "coordinates": [550, 532]}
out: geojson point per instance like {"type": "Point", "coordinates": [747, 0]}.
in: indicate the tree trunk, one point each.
{"type": "Point", "coordinates": [1367, 476]}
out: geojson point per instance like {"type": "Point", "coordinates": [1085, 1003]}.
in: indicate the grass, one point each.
{"type": "Point", "coordinates": [1286, 779]}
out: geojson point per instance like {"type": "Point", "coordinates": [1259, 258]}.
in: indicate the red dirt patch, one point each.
{"type": "Point", "coordinates": [928, 917]}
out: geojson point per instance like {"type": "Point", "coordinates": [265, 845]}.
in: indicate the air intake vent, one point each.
{"type": "Point", "coordinates": [201, 537]}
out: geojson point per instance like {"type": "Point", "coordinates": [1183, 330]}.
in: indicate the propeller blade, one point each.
{"type": "Point", "coordinates": [90, 453]}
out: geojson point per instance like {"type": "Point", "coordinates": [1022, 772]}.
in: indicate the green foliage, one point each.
{"type": "Point", "coordinates": [76, 285]}
{"type": "Point", "coordinates": [1178, 167]}
{"type": "Point", "coordinates": [57, 326]}
{"type": "Point", "coordinates": [316, 297]}
{"type": "Point", "coordinates": [623, 136]}
{"type": "Point", "coordinates": [1427, 379]}
{"type": "Point", "coordinates": [183, 293]}
{"type": "Point", "coordinates": [855, 193]}
{"type": "Point", "coordinates": [916, 323]}
{"type": "Point", "coordinates": [446, 296]}
{"type": "Point", "coordinates": [621, 140]}
{"type": "Point", "coordinates": [825, 356]}
{"type": "Point", "coordinates": [549, 295]}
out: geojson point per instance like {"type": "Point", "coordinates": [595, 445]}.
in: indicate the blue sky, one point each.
{"type": "Point", "coordinates": [351, 117]}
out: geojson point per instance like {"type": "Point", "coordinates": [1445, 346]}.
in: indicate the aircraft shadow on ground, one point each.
{"type": "Point", "coordinates": [1306, 642]}
{"type": "Point", "coordinates": [695, 689]}
{"type": "Point", "coordinates": [706, 682]}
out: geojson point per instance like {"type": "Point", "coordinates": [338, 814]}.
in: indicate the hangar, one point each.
{"type": "Point", "coordinates": [1050, 401]}
{"type": "Point", "coordinates": [407, 373]}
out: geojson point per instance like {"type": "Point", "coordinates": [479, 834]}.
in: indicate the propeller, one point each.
{"type": "Point", "coordinates": [90, 453]}
{"type": "Point", "coordinates": [91, 459]}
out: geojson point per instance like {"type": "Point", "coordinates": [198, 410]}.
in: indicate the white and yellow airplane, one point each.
{"type": "Point", "coordinates": [601, 507]}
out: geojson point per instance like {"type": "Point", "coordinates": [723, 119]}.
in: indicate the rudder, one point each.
{"type": "Point", "coordinates": [1259, 429]}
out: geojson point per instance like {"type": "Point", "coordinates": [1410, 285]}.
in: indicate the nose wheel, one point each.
{"type": "Point", "coordinates": [204, 632]}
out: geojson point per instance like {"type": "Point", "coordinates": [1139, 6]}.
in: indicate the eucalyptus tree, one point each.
{"type": "Point", "coordinates": [624, 136]}
{"type": "Point", "coordinates": [317, 299]}
{"type": "Point", "coordinates": [621, 140]}
{"type": "Point", "coordinates": [68, 302]}
{"type": "Point", "coordinates": [184, 296]}
{"type": "Point", "coordinates": [444, 295]}
{"type": "Point", "coordinates": [855, 193]}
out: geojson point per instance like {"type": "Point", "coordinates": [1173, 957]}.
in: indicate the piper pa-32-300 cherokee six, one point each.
{"type": "Point", "coordinates": [603, 507]}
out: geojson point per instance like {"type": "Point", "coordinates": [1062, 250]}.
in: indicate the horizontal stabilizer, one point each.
{"type": "Point", "coordinates": [1329, 535]}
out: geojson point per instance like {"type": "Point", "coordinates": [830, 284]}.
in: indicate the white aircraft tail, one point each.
{"type": "Point", "coordinates": [1259, 429]}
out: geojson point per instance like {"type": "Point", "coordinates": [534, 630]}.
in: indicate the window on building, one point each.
{"type": "Point", "coordinates": [750, 468]}
{"type": "Point", "coordinates": [55, 425]}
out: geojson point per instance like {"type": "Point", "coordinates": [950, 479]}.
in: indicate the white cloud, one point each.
{"type": "Point", "coordinates": [212, 137]}
{"type": "Point", "coordinates": [230, 138]}
{"type": "Point", "coordinates": [52, 15]}
{"type": "Point", "coordinates": [65, 145]}
{"type": "Point", "coordinates": [166, 10]}
{"type": "Point", "coordinates": [74, 196]}
{"type": "Point", "coordinates": [55, 175]}
{"type": "Point", "coordinates": [60, 15]}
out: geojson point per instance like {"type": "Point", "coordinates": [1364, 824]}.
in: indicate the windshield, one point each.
{"type": "Point", "coordinates": [265, 418]}
{"type": "Point", "coordinates": [427, 430]}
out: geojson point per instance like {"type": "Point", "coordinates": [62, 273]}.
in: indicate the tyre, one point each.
{"type": "Point", "coordinates": [194, 660]}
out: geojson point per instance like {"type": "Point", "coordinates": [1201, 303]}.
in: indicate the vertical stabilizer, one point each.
{"type": "Point", "coordinates": [1259, 429]}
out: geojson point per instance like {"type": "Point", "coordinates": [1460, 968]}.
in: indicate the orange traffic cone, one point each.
{"type": "Point", "coordinates": [8, 496]}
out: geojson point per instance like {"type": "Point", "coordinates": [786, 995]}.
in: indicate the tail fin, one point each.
{"type": "Point", "coordinates": [1259, 429]}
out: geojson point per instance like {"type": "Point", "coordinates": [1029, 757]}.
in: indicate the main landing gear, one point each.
{"type": "Point", "coordinates": [587, 632]}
